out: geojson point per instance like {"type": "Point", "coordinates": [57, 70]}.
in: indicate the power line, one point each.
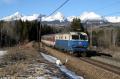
{"type": "Point", "coordinates": [49, 15]}
{"type": "Point", "coordinates": [59, 7]}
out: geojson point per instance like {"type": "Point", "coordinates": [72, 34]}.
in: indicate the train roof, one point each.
{"type": "Point", "coordinates": [83, 33]}
{"type": "Point", "coordinates": [73, 33]}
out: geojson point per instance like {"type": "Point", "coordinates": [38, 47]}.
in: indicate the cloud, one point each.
{"type": "Point", "coordinates": [8, 1]}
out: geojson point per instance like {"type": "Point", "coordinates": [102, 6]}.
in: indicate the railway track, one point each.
{"type": "Point", "coordinates": [108, 60]}
{"type": "Point", "coordinates": [100, 64]}
{"type": "Point", "coordinates": [92, 69]}
{"type": "Point", "coordinates": [105, 66]}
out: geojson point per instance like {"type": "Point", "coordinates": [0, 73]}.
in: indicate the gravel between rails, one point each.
{"type": "Point", "coordinates": [87, 70]}
{"type": "Point", "coordinates": [107, 60]}
{"type": "Point", "coordinates": [100, 64]}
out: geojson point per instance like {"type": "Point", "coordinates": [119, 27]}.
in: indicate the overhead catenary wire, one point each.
{"type": "Point", "coordinates": [59, 7]}
{"type": "Point", "coordinates": [39, 35]}
{"type": "Point", "coordinates": [102, 8]}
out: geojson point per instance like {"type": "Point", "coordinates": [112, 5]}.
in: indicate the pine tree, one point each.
{"type": "Point", "coordinates": [76, 25]}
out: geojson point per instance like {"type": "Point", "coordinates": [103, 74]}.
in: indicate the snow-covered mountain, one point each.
{"type": "Point", "coordinates": [15, 16]}
{"type": "Point", "coordinates": [85, 16]}
{"type": "Point", "coordinates": [90, 16]}
{"type": "Point", "coordinates": [70, 18]}
{"type": "Point", "coordinates": [113, 19]}
{"type": "Point", "coordinates": [19, 16]}
{"type": "Point", "coordinates": [57, 16]}
{"type": "Point", "coordinates": [30, 18]}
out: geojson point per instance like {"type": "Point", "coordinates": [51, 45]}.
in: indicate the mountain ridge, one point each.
{"type": "Point", "coordinates": [58, 16]}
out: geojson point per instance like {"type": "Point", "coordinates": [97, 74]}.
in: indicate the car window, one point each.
{"type": "Point", "coordinates": [83, 37]}
{"type": "Point", "coordinates": [75, 37]}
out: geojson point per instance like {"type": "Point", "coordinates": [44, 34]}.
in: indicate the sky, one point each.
{"type": "Point", "coordinates": [73, 7]}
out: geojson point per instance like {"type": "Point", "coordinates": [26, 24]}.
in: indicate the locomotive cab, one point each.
{"type": "Point", "coordinates": [78, 41]}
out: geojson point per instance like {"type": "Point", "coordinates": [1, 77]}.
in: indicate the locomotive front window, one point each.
{"type": "Point", "coordinates": [75, 37]}
{"type": "Point", "coordinates": [83, 37]}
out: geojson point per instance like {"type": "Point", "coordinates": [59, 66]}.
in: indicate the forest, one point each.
{"type": "Point", "coordinates": [18, 32]}
{"type": "Point", "coordinates": [15, 32]}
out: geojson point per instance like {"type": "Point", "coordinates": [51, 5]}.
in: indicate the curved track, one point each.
{"type": "Point", "coordinates": [105, 66]}
{"type": "Point", "coordinates": [92, 69]}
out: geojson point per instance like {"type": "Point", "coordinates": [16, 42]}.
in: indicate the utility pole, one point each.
{"type": "Point", "coordinates": [39, 34]}
{"type": "Point", "coordinates": [90, 32]}
{"type": "Point", "coordinates": [1, 38]}
{"type": "Point", "coordinates": [91, 35]}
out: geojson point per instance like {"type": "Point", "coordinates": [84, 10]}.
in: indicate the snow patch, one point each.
{"type": "Point", "coordinates": [2, 53]}
{"type": "Point", "coordinates": [69, 73]}
{"type": "Point", "coordinates": [49, 58]}
{"type": "Point", "coordinates": [45, 78]}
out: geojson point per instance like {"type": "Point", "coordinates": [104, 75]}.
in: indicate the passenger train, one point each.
{"type": "Point", "coordinates": [72, 42]}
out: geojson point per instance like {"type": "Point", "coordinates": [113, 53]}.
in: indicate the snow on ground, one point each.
{"type": "Point", "coordinates": [49, 58]}
{"type": "Point", "coordinates": [2, 52]}
{"type": "Point", "coordinates": [67, 72]}
{"type": "Point", "coordinates": [45, 78]}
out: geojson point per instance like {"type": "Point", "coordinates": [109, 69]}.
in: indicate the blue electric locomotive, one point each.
{"type": "Point", "coordinates": [72, 42]}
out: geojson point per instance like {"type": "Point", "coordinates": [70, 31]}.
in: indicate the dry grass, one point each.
{"type": "Point", "coordinates": [16, 61]}
{"type": "Point", "coordinates": [20, 55]}
{"type": "Point", "coordinates": [12, 70]}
